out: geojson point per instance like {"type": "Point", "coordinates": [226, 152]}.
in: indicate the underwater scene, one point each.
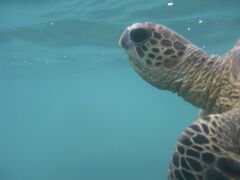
{"type": "Point", "coordinates": [71, 105]}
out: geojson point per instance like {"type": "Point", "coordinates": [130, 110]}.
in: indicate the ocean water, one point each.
{"type": "Point", "coordinates": [72, 108]}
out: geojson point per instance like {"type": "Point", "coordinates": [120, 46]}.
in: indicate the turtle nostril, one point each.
{"type": "Point", "coordinates": [139, 35]}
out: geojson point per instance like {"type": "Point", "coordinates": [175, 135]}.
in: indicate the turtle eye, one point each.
{"type": "Point", "coordinates": [139, 35]}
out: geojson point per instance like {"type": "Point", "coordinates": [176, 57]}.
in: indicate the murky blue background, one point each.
{"type": "Point", "coordinates": [72, 108]}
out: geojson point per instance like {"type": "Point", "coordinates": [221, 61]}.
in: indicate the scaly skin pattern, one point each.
{"type": "Point", "coordinates": [209, 149]}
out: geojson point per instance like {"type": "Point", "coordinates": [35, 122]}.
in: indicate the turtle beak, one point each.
{"type": "Point", "coordinates": [124, 40]}
{"type": "Point", "coordinates": [136, 34]}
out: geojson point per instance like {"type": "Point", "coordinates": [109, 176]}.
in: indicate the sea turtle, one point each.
{"type": "Point", "coordinates": [209, 149]}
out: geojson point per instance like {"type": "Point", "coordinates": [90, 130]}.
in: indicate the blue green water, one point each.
{"type": "Point", "coordinates": [72, 108]}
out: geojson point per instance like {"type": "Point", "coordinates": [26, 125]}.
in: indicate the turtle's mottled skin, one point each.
{"type": "Point", "coordinates": [209, 149]}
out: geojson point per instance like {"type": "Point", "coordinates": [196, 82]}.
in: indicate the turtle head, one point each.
{"type": "Point", "coordinates": [154, 50]}
{"type": "Point", "coordinates": [168, 61]}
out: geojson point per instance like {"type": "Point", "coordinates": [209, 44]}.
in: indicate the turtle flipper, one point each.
{"type": "Point", "coordinates": [209, 149]}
